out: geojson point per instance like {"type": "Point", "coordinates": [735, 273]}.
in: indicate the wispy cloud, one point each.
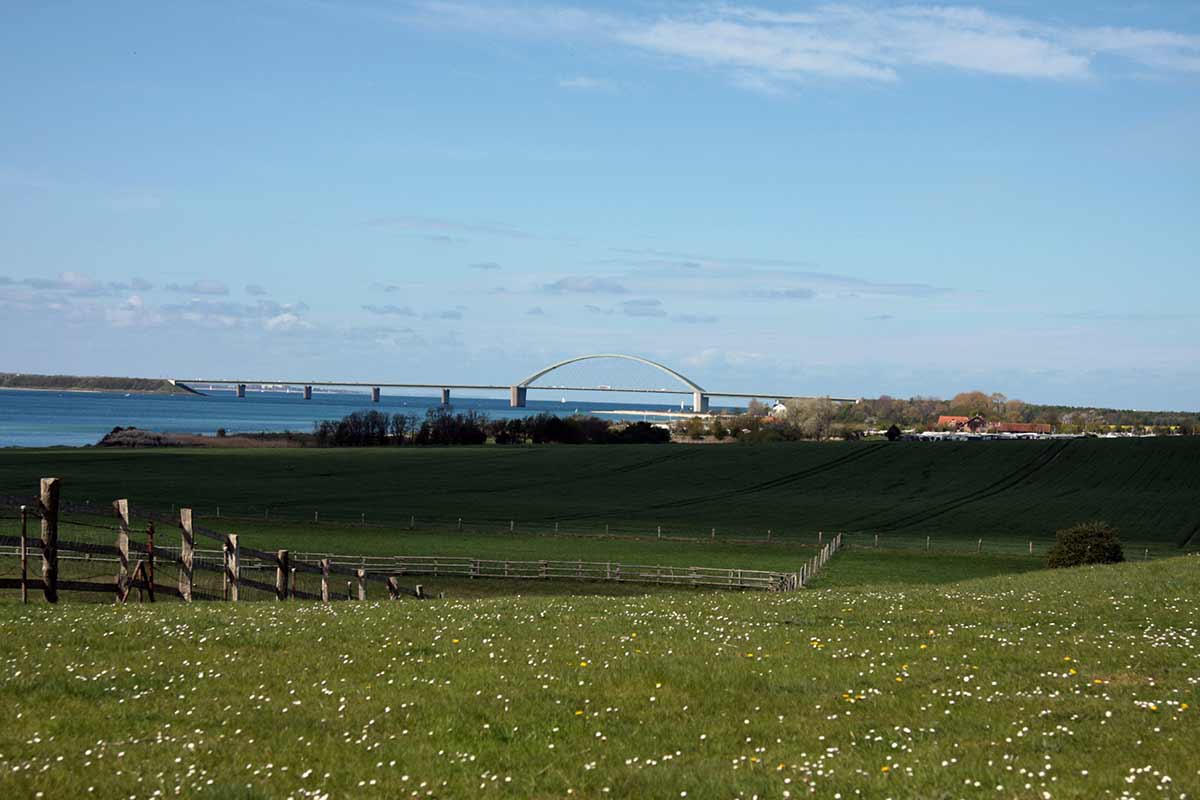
{"type": "Point", "coordinates": [484, 265]}
{"type": "Point", "coordinates": [269, 315]}
{"type": "Point", "coordinates": [582, 83]}
{"type": "Point", "coordinates": [765, 50]}
{"type": "Point", "coordinates": [695, 319]}
{"type": "Point", "coordinates": [254, 290]}
{"type": "Point", "coordinates": [643, 308]}
{"type": "Point", "coordinates": [449, 231]}
{"type": "Point", "coordinates": [78, 284]}
{"type": "Point", "coordinates": [389, 310]}
{"type": "Point", "coordinates": [795, 293]}
{"type": "Point", "coordinates": [536, 311]}
{"type": "Point", "coordinates": [208, 288]}
{"type": "Point", "coordinates": [586, 284]}
{"type": "Point", "coordinates": [664, 272]}
{"type": "Point", "coordinates": [594, 309]}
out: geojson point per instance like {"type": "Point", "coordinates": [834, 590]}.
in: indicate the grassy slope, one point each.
{"type": "Point", "coordinates": [1000, 491]}
{"type": "Point", "coordinates": [1080, 684]}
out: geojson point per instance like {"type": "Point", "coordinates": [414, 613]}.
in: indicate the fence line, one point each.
{"type": "Point", "coordinates": [241, 567]}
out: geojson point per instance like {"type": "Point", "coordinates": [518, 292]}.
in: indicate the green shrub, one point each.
{"type": "Point", "coordinates": [1086, 543]}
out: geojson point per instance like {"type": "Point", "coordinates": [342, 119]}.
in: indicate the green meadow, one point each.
{"type": "Point", "coordinates": [1078, 684]}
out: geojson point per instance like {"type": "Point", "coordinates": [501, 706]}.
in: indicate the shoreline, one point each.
{"type": "Point", "coordinates": [90, 391]}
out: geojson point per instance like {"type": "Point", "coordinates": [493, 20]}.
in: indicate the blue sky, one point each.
{"type": "Point", "coordinates": [848, 199]}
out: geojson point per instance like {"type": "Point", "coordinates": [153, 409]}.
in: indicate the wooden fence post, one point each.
{"type": "Point", "coordinates": [24, 556]}
{"type": "Point", "coordinates": [122, 509]}
{"type": "Point", "coordinates": [361, 574]}
{"type": "Point", "coordinates": [150, 560]}
{"type": "Point", "coordinates": [926, 544]}
{"type": "Point", "coordinates": [512, 525]}
{"type": "Point", "coordinates": [324, 580]}
{"type": "Point", "coordinates": [49, 499]}
{"type": "Point", "coordinates": [660, 531]}
{"type": "Point", "coordinates": [979, 546]}
{"type": "Point", "coordinates": [1031, 547]}
{"type": "Point", "coordinates": [233, 563]}
{"type": "Point", "coordinates": [542, 568]}
{"type": "Point", "coordinates": [281, 575]}
{"type": "Point", "coordinates": [187, 553]}
{"type": "Point", "coordinates": [292, 592]}
{"type": "Point", "coordinates": [877, 540]}
{"type": "Point", "coordinates": [713, 535]}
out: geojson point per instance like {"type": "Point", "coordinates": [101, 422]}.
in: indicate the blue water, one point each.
{"type": "Point", "coordinates": [44, 419]}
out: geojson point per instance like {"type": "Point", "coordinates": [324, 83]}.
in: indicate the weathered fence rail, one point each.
{"type": "Point", "coordinates": [245, 569]}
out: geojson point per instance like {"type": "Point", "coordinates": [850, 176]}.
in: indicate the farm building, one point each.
{"type": "Point", "coordinates": [975, 424]}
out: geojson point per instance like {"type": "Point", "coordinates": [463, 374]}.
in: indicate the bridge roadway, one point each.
{"type": "Point", "coordinates": [518, 391]}
{"type": "Point", "coordinates": [376, 388]}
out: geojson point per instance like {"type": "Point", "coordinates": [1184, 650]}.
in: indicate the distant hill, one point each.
{"type": "Point", "coordinates": [77, 383]}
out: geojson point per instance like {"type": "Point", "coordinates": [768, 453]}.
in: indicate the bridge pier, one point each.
{"type": "Point", "coordinates": [445, 397]}
{"type": "Point", "coordinates": [241, 390]}
{"type": "Point", "coordinates": [517, 396]}
{"type": "Point", "coordinates": [700, 402]}
{"type": "Point", "coordinates": [374, 394]}
{"type": "Point", "coordinates": [308, 393]}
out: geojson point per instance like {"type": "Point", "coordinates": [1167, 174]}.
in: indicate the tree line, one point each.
{"type": "Point", "coordinates": [441, 427]}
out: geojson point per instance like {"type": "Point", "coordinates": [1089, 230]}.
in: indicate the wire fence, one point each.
{"type": "Point", "coordinates": [76, 549]}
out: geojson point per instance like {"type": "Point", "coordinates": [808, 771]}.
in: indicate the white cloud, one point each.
{"type": "Point", "coordinates": [764, 50]}
{"type": "Point", "coordinates": [582, 83]}
{"type": "Point", "coordinates": [205, 287]}
{"type": "Point", "coordinates": [286, 322]}
{"type": "Point", "coordinates": [586, 284]}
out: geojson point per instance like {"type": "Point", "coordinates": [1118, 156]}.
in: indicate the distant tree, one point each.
{"type": "Point", "coordinates": [398, 427]}
{"type": "Point", "coordinates": [694, 428]}
{"type": "Point", "coordinates": [813, 417]}
{"type": "Point", "coordinates": [717, 429]}
{"type": "Point", "coordinates": [894, 433]}
{"type": "Point", "coordinates": [757, 408]}
{"type": "Point", "coordinates": [1087, 543]}
{"type": "Point", "coordinates": [970, 403]}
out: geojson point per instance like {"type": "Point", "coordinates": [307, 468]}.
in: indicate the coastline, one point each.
{"type": "Point", "coordinates": [61, 390]}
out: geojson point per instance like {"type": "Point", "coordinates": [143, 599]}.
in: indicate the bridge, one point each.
{"type": "Point", "coordinates": [519, 391]}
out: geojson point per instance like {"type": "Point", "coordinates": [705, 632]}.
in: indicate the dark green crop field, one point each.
{"type": "Point", "coordinates": [1006, 493]}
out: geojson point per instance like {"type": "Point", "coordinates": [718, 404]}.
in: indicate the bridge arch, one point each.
{"type": "Point", "coordinates": [691, 384]}
{"type": "Point", "coordinates": [699, 398]}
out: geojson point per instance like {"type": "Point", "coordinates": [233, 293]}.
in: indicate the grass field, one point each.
{"type": "Point", "coordinates": [1006, 493]}
{"type": "Point", "coordinates": [1081, 684]}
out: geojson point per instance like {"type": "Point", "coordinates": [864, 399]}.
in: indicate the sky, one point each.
{"type": "Point", "coordinates": [847, 199]}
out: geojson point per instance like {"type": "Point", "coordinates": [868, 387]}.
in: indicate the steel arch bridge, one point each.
{"type": "Point", "coordinates": [517, 391]}
{"type": "Point", "coordinates": [699, 398]}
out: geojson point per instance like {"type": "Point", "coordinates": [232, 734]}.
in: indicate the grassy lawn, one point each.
{"type": "Point", "coordinates": [861, 567]}
{"type": "Point", "coordinates": [1079, 684]}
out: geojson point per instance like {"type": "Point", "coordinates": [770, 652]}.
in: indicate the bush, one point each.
{"type": "Point", "coordinates": [1086, 543]}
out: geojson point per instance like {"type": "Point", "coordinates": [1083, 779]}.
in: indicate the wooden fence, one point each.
{"type": "Point", "coordinates": [242, 568]}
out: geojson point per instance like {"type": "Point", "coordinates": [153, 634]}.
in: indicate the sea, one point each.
{"type": "Point", "coordinates": [74, 419]}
